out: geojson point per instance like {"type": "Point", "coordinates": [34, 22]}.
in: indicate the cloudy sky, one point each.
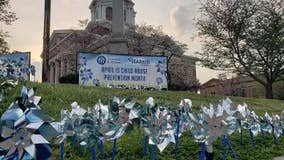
{"type": "Point", "coordinates": [176, 17]}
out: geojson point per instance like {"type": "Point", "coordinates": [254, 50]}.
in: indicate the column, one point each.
{"type": "Point", "coordinates": [103, 16]}
{"type": "Point", "coordinates": [68, 66]}
{"type": "Point", "coordinates": [100, 16]}
{"type": "Point", "coordinates": [128, 16]}
{"type": "Point", "coordinates": [57, 72]}
{"type": "Point", "coordinates": [51, 73]}
{"type": "Point", "coordinates": [62, 67]}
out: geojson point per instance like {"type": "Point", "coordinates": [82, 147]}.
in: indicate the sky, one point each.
{"type": "Point", "coordinates": [177, 17]}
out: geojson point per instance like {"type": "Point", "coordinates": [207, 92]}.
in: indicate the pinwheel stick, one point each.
{"type": "Point", "coordinates": [241, 137]}
{"type": "Point", "coordinates": [262, 133]}
{"type": "Point", "coordinates": [113, 150]}
{"type": "Point", "coordinates": [102, 149]}
{"type": "Point", "coordinates": [225, 143]}
{"type": "Point", "coordinates": [252, 139]}
{"type": "Point", "coordinates": [153, 152]}
{"type": "Point", "coordinates": [202, 152]}
{"type": "Point", "coordinates": [62, 151]}
{"type": "Point", "coordinates": [177, 134]}
{"type": "Point", "coordinates": [145, 149]}
{"type": "Point", "coordinates": [274, 136]}
{"type": "Point", "coordinates": [94, 153]}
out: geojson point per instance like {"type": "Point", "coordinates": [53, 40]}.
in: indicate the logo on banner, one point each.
{"type": "Point", "coordinates": [101, 60]}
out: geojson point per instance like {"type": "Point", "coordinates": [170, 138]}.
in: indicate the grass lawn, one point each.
{"type": "Point", "coordinates": [57, 97]}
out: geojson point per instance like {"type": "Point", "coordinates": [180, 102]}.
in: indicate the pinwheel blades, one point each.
{"type": "Point", "coordinates": [214, 122]}
{"type": "Point", "coordinates": [26, 134]}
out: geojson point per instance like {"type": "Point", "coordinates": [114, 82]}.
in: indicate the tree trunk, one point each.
{"type": "Point", "coordinates": [268, 90]}
{"type": "Point", "coordinates": [169, 78]}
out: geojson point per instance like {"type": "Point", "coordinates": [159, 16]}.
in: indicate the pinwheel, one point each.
{"type": "Point", "coordinates": [78, 124]}
{"type": "Point", "coordinates": [6, 85]}
{"type": "Point", "coordinates": [241, 114]}
{"type": "Point", "coordinates": [213, 123]}
{"type": "Point", "coordinates": [249, 121]}
{"type": "Point", "coordinates": [271, 125]}
{"type": "Point", "coordinates": [121, 114]}
{"type": "Point", "coordinates": [184, 122]}
{"type": "Point", "coordinates": [66, 127]}
{"type": "Point", "coordinates": [277, 128]}
{"type": "Point", "coordinates": [26, 133]}
{"type": "Point", "coordinates": [265, 122]}
{"type": "Point", "coordinates": [252, 123]}
{"type": "Point", "coordinates": [158, 123]}
{"type": "Point", "coordinates": [97, 124]}
{"type": "Point", "coordinates": [185, 107]}
{"type": "Point", "coordinates": [86, 131]}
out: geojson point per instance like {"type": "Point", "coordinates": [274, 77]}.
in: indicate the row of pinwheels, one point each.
{"type": "Point", "coordinates": [26, 130]}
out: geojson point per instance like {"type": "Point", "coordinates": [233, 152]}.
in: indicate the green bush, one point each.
{"type": "Point", "coordinates": [72, 78]}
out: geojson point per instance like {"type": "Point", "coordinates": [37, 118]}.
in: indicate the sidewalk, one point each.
{"type": "Point", "coordinates": [279, 158]}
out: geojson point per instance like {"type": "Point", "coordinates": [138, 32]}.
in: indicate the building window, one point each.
{"type": "Point", "coordinates": [109, 13]}
{"type": "Point", "coordinates": [124, 15]}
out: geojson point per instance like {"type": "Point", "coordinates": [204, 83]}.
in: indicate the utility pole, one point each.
{"type": "Point", "coordinates": [46, 39]}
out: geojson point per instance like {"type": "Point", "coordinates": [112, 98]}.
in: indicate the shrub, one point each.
{"type": "Point", "coordinates": [70, 78]}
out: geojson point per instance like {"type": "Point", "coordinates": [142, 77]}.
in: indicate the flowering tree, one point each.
{"type": "Point", "coordinates": [6, 17]}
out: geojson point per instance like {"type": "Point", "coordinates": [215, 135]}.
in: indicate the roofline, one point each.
{"type": "Point", "coordinates": [212, 79]}
{"type": "Point", "coordinates": [60, 31]}
{"type": "Point", "coordinates": [235, 78]}
{"type": "Point", "coordinates": [67, 36]}
{"type": "Point", "coordinates": [191, 57]}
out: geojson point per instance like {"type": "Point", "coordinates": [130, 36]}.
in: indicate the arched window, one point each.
{"type": "Point", "coordinates": [109, 13]}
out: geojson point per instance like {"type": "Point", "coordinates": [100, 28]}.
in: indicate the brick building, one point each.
{"type": "Point", "coordinates": [243, 86]}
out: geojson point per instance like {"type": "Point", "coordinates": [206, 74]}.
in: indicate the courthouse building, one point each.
{"type": "Point", "coordinates": [66, 44]}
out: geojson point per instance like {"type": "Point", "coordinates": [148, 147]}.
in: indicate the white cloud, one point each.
{"type": "Point", "coordinates": [182, 17]}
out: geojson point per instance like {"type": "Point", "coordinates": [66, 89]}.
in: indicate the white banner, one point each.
{"type": "Point", "coordinates": [15, 65]}
{"type": "Point", "coordinates": [123, 70]}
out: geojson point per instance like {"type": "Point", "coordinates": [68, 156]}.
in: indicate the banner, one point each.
{"type": "Point", "coordinates": [15, 65]}
{"type": "Point", "coordinates": [118, 70]}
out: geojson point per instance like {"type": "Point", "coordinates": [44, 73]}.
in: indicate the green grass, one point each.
{"type": "Point", "coordinates": [57, 97]}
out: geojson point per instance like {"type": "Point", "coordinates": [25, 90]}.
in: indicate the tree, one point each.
{"type": "Point", "coordinates": [6, 17]}
{"type": "Point", "coordinates": [151, 39]}
{"type": "Point", "coordinates": [246, 36]}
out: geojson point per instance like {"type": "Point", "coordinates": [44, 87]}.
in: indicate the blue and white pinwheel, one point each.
{"type": "Point", "coordinates": [26, 131]}
{"type": "Point", "coordinates": [159, 124]}
{"type": "Point", "coordinates": [214, 122]}
{"type": "Point", "coordinates": [121, 114]}
{"type": "Point", "coordinates": [272, 125]}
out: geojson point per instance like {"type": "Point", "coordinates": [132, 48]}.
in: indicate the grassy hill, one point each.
{"type": "Point", "coordinates": [57, 97]}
